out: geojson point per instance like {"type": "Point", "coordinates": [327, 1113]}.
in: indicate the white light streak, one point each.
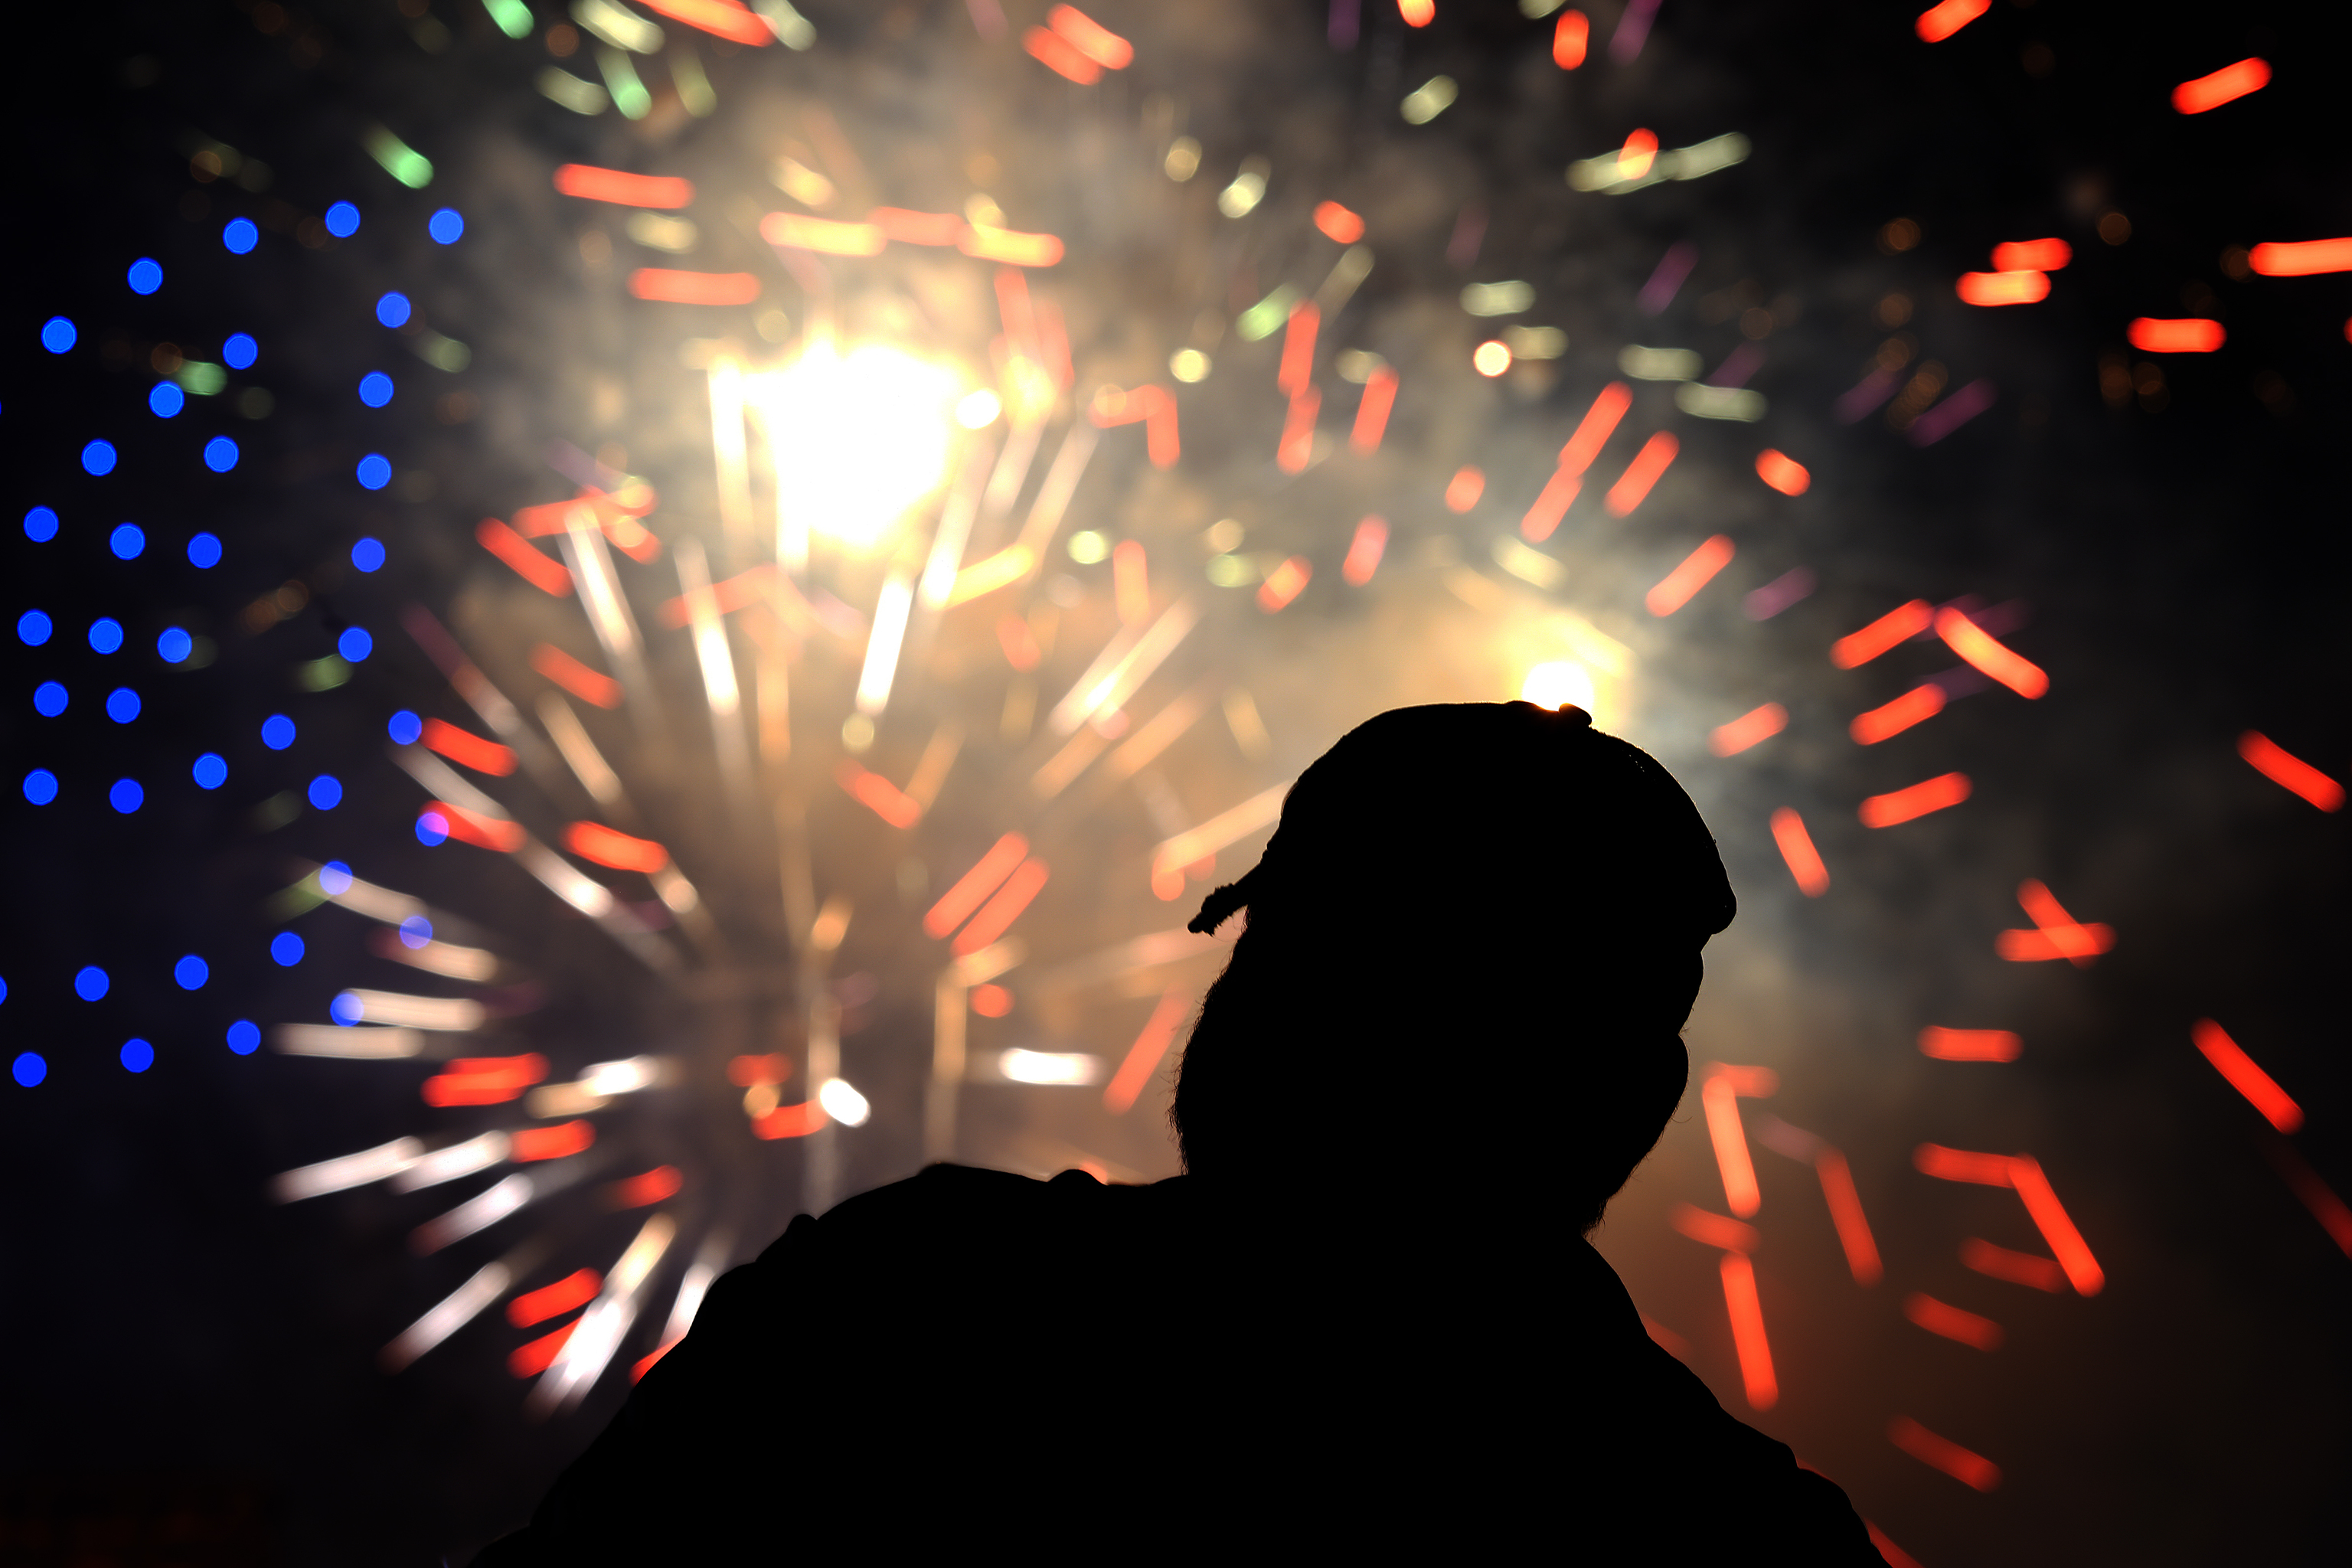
{"type": "Point", "coordinates": [587, 764]}
{"type": "Point", "coordinates": [1719, 402]}
{"type": "Point", "coordinates": [443, 958]}
{"type": "Point", "coordinates": [456, 1014]}
{"type": "Point", "coordinates": [955, 529]}
{"type": "Point", "coordinates": [1225, 829]}
{"type": "Point", "coordinates": [842, 1103]}
{"type": "Point", "coordinates": [1659, 364]}
{"type": "Point", "coordinates": [1060, 483]}
{"type": "Point", "coordinates": [1427, 102]}
{"type": "Point", "coordinates": [730, 450]}
{"type": "Point", "coordinates": [883, 643]}
{"type": "Point", "coordinates": [1069, 1068]}
{"type": "Point", "coordinates": [358, 1045]}
{"type": "Point", "coordinates": [1116, 674]}
{"type": "Point", "coordinates": [477, 1153]}
{"type": "Point", "coordinates": [1602, 174]}
{"type": "Point", "coordinates": [481, 1211]}
{"type": "Point", "coordinates": [346, 1170]}
{"type": "Point", "coordinates": [618, 26]}
{"type": "Point", "coordinates": [598, 1334]}
{"type": "Point", "coordinates": [454, 1313]}
{"type": "Point", "coordinates": [1508, 298]}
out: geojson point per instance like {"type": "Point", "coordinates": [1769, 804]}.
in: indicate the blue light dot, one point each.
{"type": "Point", "coordinates": [240, 351]}
{"type": "Point", "coordinates": [172, 645]}
{"type": "Point", "coordinates": [29, 1069]}
{"type": "Point", "coordinates": [393, 310]}
{"type": "Point", "coordinates": [106, 634]}
{"type": "Point", "coordinates": [375, 389]}
{"type": "Point", "coordinates": [192, 973]}
{"type": "Point", "coordinates": [356, 644]}
{"type": "Point", "coordinates": [165, 399]}
{"type": "Point", "coordinates": [48, 699]}
{"type": "Point", "coordinates": [146, 274]}
{"type": "Point", "coordinates": [41, 524]}
{"type": "Point", "coordinates": [239, 236]}
{"type": "Point", "coordinates": [278, 732]}
{"type": "Point", "coordinates": [57, 334]}
{"type": "Point", "coordinates": [343, 220]}
{"type": "Point", "coordinates": [334, 878]}
{"type": "Point", "coordinates": [204, 552]}
{"type": "Point", "coordinates": [4, 991]}
{"type": "Point", "coordinates": [431, 829]}
{"type": "Point", "coordinates": [286, 948]}
{"type": "Point", "coordinates": [98, 457]}
{"type": "Point", "coordinates": [127, 541]}
{"type": "Point", "coordinates": [90, 983]}
{"type": "Point", "coordinates": [326, 791]}
{"type": "Point", "coordinates": [416, 931]}
{"type": "Point", "coordinates": [368, 555]}
{"type": "Point", "coordinates": [374, 472]}
{"type": "Point", "coordinates": [41, 786]}
{"type": "Point", "coordinates": [33, 628]}
{"type": "Point", "coordinates": [220, 454]}
{"type": "Point", "coordinates": [137, 1055]}
{"type": "Point", "coordinates": [245, 1037]}
{"type": "Point", "coordinates": [126, 796]}
{"type": "Point", "coordinates": [122, 705]}
{"type": "Point", "coordinates": [404, 727]}
{"type": "Point", "coordinates": [211, 770]}
{"type": "Point", "coordinates": [446, 226]}
{"type": "Point", "coordinates": [346, 1009]}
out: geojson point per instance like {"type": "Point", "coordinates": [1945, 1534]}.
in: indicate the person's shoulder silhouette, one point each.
{"type": "Point", "coordinates": [1366, 1318]}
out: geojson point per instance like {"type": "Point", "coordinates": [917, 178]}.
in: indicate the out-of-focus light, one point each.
{"type": "Point", "coordinates": [245, 1037]}
{"type": "Point", "coordinates": [1183, 159]}
{"type": "Point", "coordinates": [200, 378]}
{"type": "Point", "coordinates": [105, 634]}
{"type": "Point", "coordinates": [1569, 36]}
{"type": "Point", "coordinates": [41, 524]}
{"type": "Point", "coordinates": [375, 389]}
{"type": "Point", "coordinates": [278, 732]}
{"type": "Point", "coordinates": [286, 950]}
{"type": "Point", "coordinates": [58, 335]}
{"type": "Point", "coordinates": [1241, 195]}
{"type": "Point", "coordinates": [191, 973]}
{"type": "Point", "coordinates": [1430, 100]}
{"type": "Point", "coordinates": [374, 472]}
{"type": "Point", "coordinates": [146, 275]}
{"type": "Point", "coordinates": [1899, 625]}
{"type": "Point", "coordinates": [860, 437]}
{"type": "Point", "coordinates": [1284, 583]}
{"type": "Point", "coordinates": [1970, 1045]}
{"type": "Point", "coordinates": [220, 454]}
{"type": "Point", "coordinates": [1914, 706]}
{"type": "Point", "coordinates": [776, 19]}
{"type": "Point", "coordinates": [975, 886]}
{"type": "Point", "coordinates": [165, 399]}
{"type": "Point", "coordinates": [2015, 1268]}
{"type": "Point", "coordinates": [50, 699]}
{"type": "Point", "coordinates": [126, 541]}
{"type": "Point", "coordinates": [239, 350]}
{"type": "Point", "coordinates": [1462, 491]}
{"type": "Point", "coordinates": [33, 628]}
{"type": "Point", "coordinates": [211, 770]}
{"type": "Point", "coordinates": [2056, 933]}
{"type": "Point", "coordinates": [483, 756]}
{"type": "Point", "coordinates": [1417, 13]}
{"type": "Point", "coordinates": [1372, 411]}
{"type": "Point", "coordinates": [1189, 365]}
{"type": "Point", "coordinates": [240, 236]}
{"type": "Point", "coordinates": [1747, 1312]}
{"type": "Point", "coordinates": [1337, 223]}
{"type": "Point", "coordinates": [367, 554]}
{"type": "Point", "coordinates": [2289, 771]}
{"type": "Point", "coordinates": [590, 685]}
{"type": "Point", "coordinates": [1750, 729]}
{"type": "Point", "coordinates": [1952, 1322]}
{"type": "Point", "coordinates": [842, 1103]}
{"type": "Point", "coordinates": [90, 983]}
{"type": "Point", "coordinates": [405, 727]}
{"type": "Point", "coordinates": [1491, 358]}
{"type": "Point", "coordinates": [446, 225]}
{"type": "Point", "coordinates": [2227, 85]}
{"type": "Point", "coordinates": [1090, 38]}
{"type": "Point", "coordinates": [1697, 571]}
{"type": "Point", "coordinates": [334, 878]}
{"type": "Point", "coordinates": [204, 551]}
{"type": "Point", "coordinates": [1990, 657]}
{"type": "Point", "coordinates": [1633, 486]}
{"type": "Point", "coordinates": [671, 286]}
{"type": "Point", "coordinates": [356, 644]}
{"type": "Point", "coordinates": [1739, 403]}
{"type": "Point", "coordinates": [1917, 801]}
{"type": "Point", "coordinates": [41, 786]}
{"type": "Point", "coordinates": [1940, 22]}
{"type": "Point", "coordinates": [2021, 287]}
{"type": "Point", "coordinates": [343, 220]}
{"type": "Point", "coordinates": [326, 791]}
{"type": "Point", "coordinates": [1364, 552]}
{"type": "Point", "coordinates": [979, 409]}
{"type": "Point", "coordinates": [2261, 1090]}
{"type": "Point", "coordinates": [2190, 335]}
{"type": "Point", "coordinates": [28, 1068]}
{"type": "Point", "coordinates": [392, 308]}
{"type": "Point", "coordinates": [1782, 473]}
{"type": "Point", "coordinates": [98, 457]}
{"type": "Point", "coordinates": [398, 158]}
{"type": "Point", "coordinates": [1635, 158]}
{"type": "Point", "coordinates": [2032, 255]}
{"type": "Point", "coordinates": [1075, 1068]}
{"type": "Point", "coordinates": [122, 705]}
{"type": "Point", "coordinates": [1061, 56]}
{"type": "Point", "coordinates": [174, 645]}
{"type": "Point", "coordinates": [126, 795]}
{"type": "Point", "coordinates": [432, 828]}
{"type": "Point", "coordinates": [1559, 683]}
{"type": "Point", "coordinates": [2301, 258]}
{"type": "Point", "coordinates": [2057, 1227]}
{"type": "Point", "coordinates": [137, 1054]}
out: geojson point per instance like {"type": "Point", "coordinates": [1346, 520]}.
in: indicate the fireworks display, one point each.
{"type": "Point", "coordinates": [632, 619]}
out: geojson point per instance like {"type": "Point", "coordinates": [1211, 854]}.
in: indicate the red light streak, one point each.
{"type": "Point", "coordinates": [1962, 1165]}
{"type": "Point", "coordinates": [1364, 552]}
{"type": "Point", "coordinates": [1297, 446]}
{"type": "Point", "coordinates": [2015, 1268]}
{"type": "Point", "coordinates": [473, 828]}
{"type": "Point", "coordinates": [790, 1120]}
{"type": "Point", "coordinates": [974, 887]}
{"type": "Point", "coordinates": [2060, 934]}
{"type": "Point", "coordinates": [547, 577]}
{"type": "Point", "coordinates": [559, 1141]}
{"type": "Point", "coordinates": [2262, 1091]}
{"type": "Point", "coordinates": [536, 1357]}
{"type": "Point", "coordinates": [720, 17]}
{"type": "Point", "coordinates": [1697, 570]}
{"type": "Point", "coordinates": [2184, 335]}
{"type": "Point", "coordinates": [1915, 705]}
{"type": "Point", "coordinates": [878, 795]}
{"type": "Point", "coordinates": [1896, 1556]}
{"type": "Point", "coordinates": [1144, 1057]}
{"type": "Point", "coordinates": [1969, 1469]}
{"type": "Point", "coordinates": [1952, 1322]}
{"type": "Point", "coordinates": [1019, 643]}
{"type": "Point", "coordinates": [1569, 35]}
{"type": "Point", "coordinates": [2289, 771]}
{"type": "Point", "coordinates": [1896, 626]}
{"type": "Point", "coordinates": [1718, 1098]}
{"type": "Point", "coordinates": [1755, 1352]}
{"type": "Point", "coordinates": [1462, 491]}
{"type": "Point", "coordinates": [2301, 257]}
{"type": "Point", "coordinates": [574, 1289]}
{"type": "Point", "coordinates": [1551, 505]}
{"type": "Point", "coordinates": [1338, 223]}
{"type": "Point", "coordinates": [1940, 22]}
{"type": "Point", "coordinates": [1090, 38]}
{"type": "Point", "coordinates": [674, 287]}
{"type": "Point", "coordinates": [1011, 247]}
{"type": "Point", "coordinates": [1372, 410]}
{"type": "Point", "coordinates": [1906, 804]}
{"type": "Point", "coordinates": [746, 1071]}
{"type": "Point", "coordinates": [645, 1363]}
{"type": "Point", "coordinates": [2050, 1217]}
{"type": "Point", "coordinates": [1298, 348]}
{"type": "Point", "coordinates": [1635, 158]}
{"type": "Point", "coordinates": [640, 1191]}
{"type": "Point", "coordinates": [1713, 1230]}
{"type": "Point", "coordinates": [1284, 583]}
{"type": "Point", "coordinates": [1130, 587]}
{"type": "Point", "coordinates": [1592, 432]}
{"type": "Point", "coordinates": [1633, 486]}
{"type": "Point", "coordinates": [2316, 1195]}
{"type": "Point", "coordinates": [1058, 54]}
{"type": "Point", "coordinates": [1750, 728]}
{"type": "Point", "coordinates": [1782, 473]}
{"type": "Point", "coordinates": [2023, 287]}
{"type": "Point", "coordinates": [827, 237]}
{"type": "Point", "coordinates": [1417, 13]}
{"type": "Point", "coordinates": [1970, 1045]}
{"type": "Point", "coordinates": [1796, 847]}
{"type": "Point", "coordinates": [2227, 85]}
{"type": "Point", "coordinates": [991, 1001]}
{"type": "Point", "coordinates": [586, 684]}
{"type": "Point", "coordinates": [468, 751]}
{"type": "Point", "coordinates": [1845, 1213]}
{"type": "Point", "coordinates": [998, 914]}
{"type": "Point", "coordinates": [591, 183]}
{"type": "Point", "coordinates": [1664, 1337]}
{"type": "Point", "coordinates": [2032, 255]}
{"type": "Point", "coordinates": [483, 1080]}
{"type": "Point", "coordinates": [605, 847]}
{"type": "Point", "coordinates": [911, 227]}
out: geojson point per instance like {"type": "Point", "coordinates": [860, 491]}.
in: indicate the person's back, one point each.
{"type": "Point", "coordinates": [1359, 1321]}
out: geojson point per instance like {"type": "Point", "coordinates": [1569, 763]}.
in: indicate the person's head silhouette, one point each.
{"type": "Point", "coordinates": [1472, 944]}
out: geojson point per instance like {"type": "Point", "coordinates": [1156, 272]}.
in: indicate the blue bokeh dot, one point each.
{"type": "Point", "coordinates": [375, 389]}
{"type": "Point", "coordinates": [165, 399]}
{"type": "Point", "coordinates": [245, 1037]}
{"type": "Point", "coordinates": [368, 554]}
{"type": "Point", "coordinates": [446, 226]}
{"type": "Point", "coordinates": [33, 628]}
{"type": "Point", "coordinates": [334, 878]}
{"type": "Point", "coordinates": [211, 770]}
{"type": "Point", "coordinates": [192, 973]}
{"type": "Point", "coordinates": [404, 727]}
{"type": "Point", "coordinates": [126, 796]}
{"type": "Point", "coordinates": [41, 786]}
{"type": "Point", "coordinates": [286, 948]}
{"type": "Point", "coordinates": [48, 699]}
{"type": "Point", "coordinates": [137, 1055]}
{"type": "Point", "coordinates": [98, 457]}
{"type": "Point", "coordinates": [90, 983]}
{"type": "Point", "coordinates": [240, 236]}
{"type": "Point", "coordinates": [278, 732]}
{"type": "Point", "coordinates": [431, 829]}
{"type": "Point", "coordinates": [29, 1069]}
{"type": "Point", "coordinates": [41, 524]}
{"type": "Point", "coordinates": [4, 984]}
{"type": "Point", "coordinates": [374, 472]}
{"type": "Point", "coordinates": [146, 274]}
{"type": "Point", "coordinates": [58, 335]}
{"type": "Point", "coordinates": [392, 308]}
{"type": "Point", "coordinates": [346, 1009]}
{"type": "Point", "coordinates": [106, 634]}
{"type": "Point", "coordinates": [240, 351]}
{"type": "Point", "coordinates": [326, 791]}
{"type": "Point", "coordinates": [122, 705]}
{"type": "Point", "coordinates": [127, 541]}
{"type": "Point", "coordinates": [174, 645]}
{"type": "Point", "coordinates": [220, 454]}
{"type": "Point", "coordinates": [343, 220]}
{"type": "Point", "coordinates": [204, 552]}
{"type": "Point", "coordinates": [356, 644]}
{"type": "Point", "coordinates": [416, 931]}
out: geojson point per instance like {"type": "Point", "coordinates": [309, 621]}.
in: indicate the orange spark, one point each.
{"type": "Point", "coordinates": [586, 684]}
{"type": "Point", "coordinates": [483, 1080]}
{"type": "Point", "coordinates": [1940, 22]}
{"type": "Point", "coordinates": [1569, 36]}
{"type": "Point", "coordinates": [918, 227]}
{"type": "Point", "coordinates": [1756, 725]}
{"type": "Point", "coordinates": [1592, 432]}
{"type": "Point", "coordinates": [1297, 448]}
{"type": "Point", "coordinates": [772, 1067]}
{"type": "Point", "coordinates": [574, 1289]}
{"type": "Point", "coordinates": [559, 1141]}
{"type": "Point", "coordinates": [1338, 223]}
{"type": "Point", "coordinates": [1797, 849]}
{"type": "Point", "coordinates": [1917, 801]}
{"type": "Point", "coordinates": [997, 915]}
{"type": "Point", "coordinates": [1130, 588]}
{"type": "Point", "coordinates": [1372, 410]}
{"type": "Point", "coordinates": [2016, 1267]}
{"type": "Point", "coordinates": [1633, 486]}
{"type": "Point", "coordinates": [593, 185]}
{"type": "Point", "coordinates": [1298, 348]}
{"type": "Point", "coordinates": [1417, 13]}
{"type": "Point", "coordinates": [607, 847]}
{"type": "Point", "coordinates": [2185, 335]}
{"type": "Point", "coordinates": [1144, 1057]}
{"type": "Point", "coordinates": [1364, 552]}
{"type": "Point", "coordinates": [1090, 38]}
{"type": "Point", "coordinates": [2229, 83]}
{"type": "Point", "coordinates": [1896, 1556]}
{"type": "Point", "coordinates": [1718, 1098]}
{"type": "Point", "coordinates": [1845, 1213]}
{"type": "Point", "coordinates": [547, 577]}
{"type": "Point", "coordinates": [1713, 1230]}
{"type": "Point", "coordinates": [975, 886]}
{"type": "Point", "coordinates": [1747, 1339]}
{"type": "Point", "coordinates": [1782, 473]}
{"type": "Point", "coordinates": [650, 1187]}
{"type": "Point", "coordinates": [1160, 436]}
{"type": "Point", "coordinates": [878, 795]}
{"type": "Point", "coordinates": [1551, 506]}
{"type": "Point", "coordinates": [645, 1363]}
{"type": "Point", "coordinates": [2316, 1195]}
{"type": "Point", "coordinates": [2021, 287]}
{"type": "Point", "coordinates": [828, 236]}
{"type": "Point", "coordinates": [1635, 158]}
{"type": "Point", "coordinates": [1462, 491]}
{"type": "Point", "coordinates": [1968, 1469]}
{"type": "Point", "coordinates": [1491, 358]}
{"type": "Point", "coordinates": [1952, 1322]}
{"type": "Point", "coordinates": [2057, 1229]}
{"type": "Point", "coordinates": [1058, 54]}
{"type": "Point", "coordinates": [2060, 934]}
{"type": "Point", "coordinates": [1970, 1045]}
{"type": "Point", "coordinates": [1018, 641]}
{"type": "Point", "coordinates": [1897, 624]}
{"type": "Point", "coordinates": [1962, 1165]}
{"type": "Point", "coordinates": [2286, 770]}
{"type": "Point", "coordinates": [473, 828]}
{"type": "Point", "coordinates": [468, 751]}
{"type": "Point", "coordinates": [2301, 257]}
{"type": "Point", "coordinates": [2032, 255]}
{"type": "Point", "coordinates": [1284, 583]}
{"type": "Point", "coordinates": [2262, 1091]}
{"type": "Point", "coordinates": [536, 1357]}
{"type": "Point", "coordinates": [723, 19]}
{"type": "Point", "coordinates": [1009, 246]}
{"type": "Point", "coordinates": [1914, 707]}
{"type": "Point", "coordinates": [1697, 571]}
{"type": "Point", "coordinates": [790, 1120]}
{"type": "Point", "coordinates": [676, 287]}
{"type": "Point", "coordinates": [991, 1001]}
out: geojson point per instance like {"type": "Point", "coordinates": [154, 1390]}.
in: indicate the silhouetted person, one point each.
{"type": "Point", "coordinates": [1365, 1321]}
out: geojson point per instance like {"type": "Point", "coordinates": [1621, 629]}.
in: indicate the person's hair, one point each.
{"type": "Point", "coordinates": [1472, 941]}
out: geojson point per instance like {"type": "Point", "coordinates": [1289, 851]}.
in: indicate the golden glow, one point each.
{"type": "Point", "coordinates": [1558, 683]}
{"type": "Point", "coordinates": [978, 410]}
{"type": "Point", "coordinates": [856, 439]}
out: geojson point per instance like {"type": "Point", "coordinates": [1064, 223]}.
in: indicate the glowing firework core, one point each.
{"type": "Point", "coordinates": [857, 439]}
